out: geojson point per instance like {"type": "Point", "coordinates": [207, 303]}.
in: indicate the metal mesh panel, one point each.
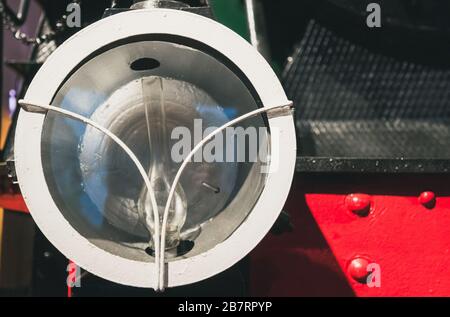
{"type": "Point", "coordinates": [352, 102]}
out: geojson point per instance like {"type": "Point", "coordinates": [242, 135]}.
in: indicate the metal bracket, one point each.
{"type": "Point", "coordinates": [287, 110]}
{"type": "Point", "coordinates": [204, 10]}
{"type": "Point", "coordinates": [8, 169]}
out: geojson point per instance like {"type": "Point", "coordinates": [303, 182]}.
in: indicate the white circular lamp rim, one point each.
{"type": "Point", "coordinates": [45, 85]}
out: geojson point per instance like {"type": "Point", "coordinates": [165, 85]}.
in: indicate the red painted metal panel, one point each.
{"type": "Point", "coordinates": [297, 263]}
{"type": "Point", "coordinates": [13, 202]}
{"type": "Point", "coordinates": [405, 232]}
{"type": "Point", "coordinates": [408, 241]}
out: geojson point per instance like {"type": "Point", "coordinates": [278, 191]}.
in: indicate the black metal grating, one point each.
{"type": "Point", "coordinates": [354, 103]}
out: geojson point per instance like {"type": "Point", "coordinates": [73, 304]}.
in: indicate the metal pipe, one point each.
{"type": "Point", "coordinates": [17, 18]}
{"type": "Point", "coordinates": [257, 27]}
{"type": "Point", "coordinates": [22, 12]}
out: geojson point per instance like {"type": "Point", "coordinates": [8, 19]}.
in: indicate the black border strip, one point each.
{"type": "Point", "coordinates": [372, 165]}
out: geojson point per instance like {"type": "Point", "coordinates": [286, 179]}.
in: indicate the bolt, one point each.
{"type": "Point", "coordinates": [359, 204]}
{"type": "Point", "coordinates": [357, 269]}
{"type": "Point", "coordinates": [215, 189]}
{"type": "Point", "coordinates": [427, 199]}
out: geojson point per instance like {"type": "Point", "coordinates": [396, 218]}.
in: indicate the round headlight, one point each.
{"type": "Point", "coordinates": [157, 79]}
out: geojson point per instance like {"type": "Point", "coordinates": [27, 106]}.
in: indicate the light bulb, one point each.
{"type": "Point", "coordinates": [160, 170]}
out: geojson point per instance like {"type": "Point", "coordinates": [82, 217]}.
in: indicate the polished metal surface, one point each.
{"type": "Point", "coordinates": [257, 26]}
{"type": "Point", "coordinates": [96, 186]}
{"type": "Point", "coordinates": [168, 4]}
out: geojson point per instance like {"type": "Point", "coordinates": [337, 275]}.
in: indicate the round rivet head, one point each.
{"type": "Point", "coordinates": [427, 199]}
{"type": "Point", "coordinates": [357, 269]}
{"type": "Point", "coordinates": [358, 204]}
